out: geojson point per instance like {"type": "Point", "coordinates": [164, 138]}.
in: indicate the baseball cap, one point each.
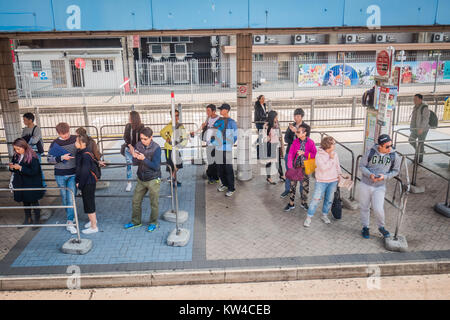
{"type": "Point", "coordinates": [225, 106]}
{"type": "Point", "coordinates": [382, 139]}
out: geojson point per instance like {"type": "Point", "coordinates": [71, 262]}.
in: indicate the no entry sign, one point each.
{"type": "Point", "coordinates": [383, 63]}
{"type": "Point", "coordinates": [242, 91]}
{"type": "Point", "coordinates": [80, 63]}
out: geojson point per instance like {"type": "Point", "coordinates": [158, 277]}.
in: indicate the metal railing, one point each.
{"type": "Point", "coordinates": [73, 206]}
{"type": "Point", "coordinates": [193, 79]}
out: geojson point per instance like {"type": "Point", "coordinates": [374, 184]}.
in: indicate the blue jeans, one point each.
{"type": "Point", "coordinates": [68, 182]}
{"type": "Point", "coordinates": [42, 170]}
{"type": "Point", "coordinates": [321, 188]}
{"type": "Point", "coordinates": [287, 183]}
{"type": "Point", "coordinates": [129, 159]}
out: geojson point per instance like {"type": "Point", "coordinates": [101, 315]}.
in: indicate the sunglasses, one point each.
{"type": "Point", "coordinates": [388, 146]}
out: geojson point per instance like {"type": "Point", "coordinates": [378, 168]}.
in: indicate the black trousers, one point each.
{"type": "Point", "coordinates": [37, 212]}
{"type": "Point", "coordinates": [211, 171]}
{"type": "Point", "coordinates": [259, 126]}
{"type": "Point", "coordinates": [225, 169]}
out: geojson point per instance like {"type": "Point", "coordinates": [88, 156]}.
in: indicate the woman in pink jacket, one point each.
{"type": "Point", "coordinates": [302, 148]}
{"type": "Point", "coordinates": [328, 170]}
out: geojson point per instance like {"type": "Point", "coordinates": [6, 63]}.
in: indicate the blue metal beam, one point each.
{"type": "Point", "coordinates": [129, 15]}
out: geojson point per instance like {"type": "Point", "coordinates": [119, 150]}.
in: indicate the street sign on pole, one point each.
{"type": "Point", "coordinates": [80, 63]}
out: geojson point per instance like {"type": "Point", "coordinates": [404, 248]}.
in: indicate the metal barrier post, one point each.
{"type": "Point", "coordinates": [86, 118]}
{"type": "Point", "coordinates": [178, 237]}
{"type": "Point", "coordinates": [73, 245]}
{"type": "Point", "coordinates": [353, 111]}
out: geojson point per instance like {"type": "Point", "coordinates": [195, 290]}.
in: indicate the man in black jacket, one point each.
{"type": "Point", "coordinates": [289, 137]}
{"type": "Point", "coordinates": [147, 156]}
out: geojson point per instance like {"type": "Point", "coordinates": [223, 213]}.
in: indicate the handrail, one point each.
{"type": "Point", "coordinates": [73, 206]}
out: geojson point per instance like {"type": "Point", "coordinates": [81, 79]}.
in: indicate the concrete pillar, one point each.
{"type": "Point", "coordinates": [244, 105]}
{"type": "Point", "coordinates": [8, 96]}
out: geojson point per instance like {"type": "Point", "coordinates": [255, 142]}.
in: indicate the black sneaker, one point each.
{"type": "Point", "coordinates": [289, 207]}
{"type": "Point", "coordinates": [284, 194]}
{"type": "Point", "coordinates": [365, 233]}
{"type": "Point", "coordinates": [384, 232]}
{"type": "Point", "coordinates": [304, 206]}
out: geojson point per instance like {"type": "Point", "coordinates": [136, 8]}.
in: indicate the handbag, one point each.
{"type": "Point", "coordinates": [310, 165]}
{"type": "Point", "coordinates": [122, 149]}
{"type": "Point", "coordinates": [296, 172]}
{"type": "Point", "coordinates": [336, 207]}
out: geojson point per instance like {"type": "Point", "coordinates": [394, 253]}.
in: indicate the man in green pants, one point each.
{"type": "Point", "coordinates": [147, 156]}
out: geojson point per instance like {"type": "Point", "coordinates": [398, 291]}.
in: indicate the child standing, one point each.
{"type": "Point", "coordinates": [86, 181]}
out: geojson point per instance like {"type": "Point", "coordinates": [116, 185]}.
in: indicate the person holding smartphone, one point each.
{"type": "Point", "coordinates": [379, 164]}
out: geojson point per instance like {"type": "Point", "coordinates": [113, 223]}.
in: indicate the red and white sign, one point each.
{"type": "Point", "coordinates": [383, 63]}
{"type": "Point", "coordinates": [242, 91]}
{"type": "Point", "coordinates": [136, 42]}
{"type": "Point", "coordinates": [80, 63]}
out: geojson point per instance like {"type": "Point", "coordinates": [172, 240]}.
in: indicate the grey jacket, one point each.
{"type": "Point", "coordinates": [420, 118]}
{"type": "Point", "coordinates": [380, 163]}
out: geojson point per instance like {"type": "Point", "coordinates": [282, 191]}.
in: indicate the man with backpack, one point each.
{"type": "Point", "coordinates": [420, 124]}
{"type": "Point", "coordinates": [378, 165]}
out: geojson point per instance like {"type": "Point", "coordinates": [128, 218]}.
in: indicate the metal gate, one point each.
{"type": "Point", "coordinates": [180, 72]}
{"type": "Point", "coordinates": [158, 73]}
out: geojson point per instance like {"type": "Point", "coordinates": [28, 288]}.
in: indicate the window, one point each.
{"type": "Point", "coordinates": [258, 57]}
{"type": "Point", "coordinates": [109, 65]}
{"type": "Point", "coordinates": [58, 73]}
{"type": "Point", "coordinates": [96, 65]}
{"type": "Point", "coordinates": [36, 65]}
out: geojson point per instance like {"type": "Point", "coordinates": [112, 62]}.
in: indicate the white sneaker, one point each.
{"type": "Point", "coordinates": [128, 188]}
{"type": "Point", "coordinates": [87, 225]}
{"type": "Point", "coordinates": [325, 219]}
{"type": "Point", "coordinates": [90, 230]}
{"type": "Point", "coordinates": [71, 228]}
{"type": "Point", "coordinates": [229, 193]}
{"type": "Point", "coordinates": [221, 188]}
{"type": "Point", "coordinates": [307, 222]}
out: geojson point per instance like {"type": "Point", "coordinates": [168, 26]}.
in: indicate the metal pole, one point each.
{"type": "Point", "coordinates": [436, 73]}
{"type": "Point", "coordinates": [416, 162]}
{"type": "Point", "coordinates": [353, 112]}
{"type": "Point", "coordinates": [190, 68]}
{"type": "Point", "coordinates": [313, 101]}
{"type": "Point", "coordinates": [82, 86]}
{"type": "Point", "coordinates": [342, 78]}
{"type": "Point", "coordinates": [174, 159]}
{"type": "Point", "coordinates": [138, 79]}
{"type": "Point", "coordinates": [75, 214]}
{"type": "Point", "coordinates": [293, 78]}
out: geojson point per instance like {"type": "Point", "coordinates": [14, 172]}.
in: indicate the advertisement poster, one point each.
{"type": "Point", "coordinates": [447, 70]}
{"type": "Point", "coordinates": [383, 105]}
{"type": "Point", "coordinates": [329, 74]}
{"type": "Point", "coordinates": [370, 129]}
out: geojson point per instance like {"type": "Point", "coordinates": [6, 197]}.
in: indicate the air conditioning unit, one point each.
{"type": "Point", "coordinates": [259, 39]}
{"type": "Point", "coordinates": [213, 53]}
{"type": "Point", "coordinates": [165, 51]}
{"type": "Point", "coordinates": [350, 38]}
{"type": "Point", "coordinates": [299, 38]}
{"type": "Point", "coordinates": [155, 51]}
{"type": "Point", "coordinates": [311, 39]}
{"type": "Point", "coordinates": [438, 37]}
{"type": "Point", "coordinates": [214, 41]}
{"type": "Point", "coordinates": [380, 38]}
{"type": "Point", "coordinates": [180, 51]}
{"type": "Point", "coordinates": [271, 41]}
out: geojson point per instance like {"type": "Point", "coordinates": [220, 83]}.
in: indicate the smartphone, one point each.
{"type": "Point", "coordinates": [377, 176]}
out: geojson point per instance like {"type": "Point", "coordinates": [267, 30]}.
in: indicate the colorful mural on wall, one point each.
{"type": "Point", "coordinates": [326, 74]}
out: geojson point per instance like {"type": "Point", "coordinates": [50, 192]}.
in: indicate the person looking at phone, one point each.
{"type": "Point", "coordinates": [379, 164]}
{"type": "Point", "coordinates": [62, 153]}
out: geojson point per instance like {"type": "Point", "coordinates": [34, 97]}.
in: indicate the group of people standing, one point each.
{"type": "Point", "coordinates": [378, 165]}
{"type": "Point", "coordinates": [77, 163]}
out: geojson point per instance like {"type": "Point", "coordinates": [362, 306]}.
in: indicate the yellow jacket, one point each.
{"type": "Point", "coordinates": [181, 137]}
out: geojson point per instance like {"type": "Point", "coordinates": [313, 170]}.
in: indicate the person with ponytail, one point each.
{"type": "Point", "coordinates": [26, 173]}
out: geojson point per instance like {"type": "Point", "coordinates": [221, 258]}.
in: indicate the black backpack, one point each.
{"type": "Point", "coordinates": [95, 170]}
{"type": "Point", "coordinates": [27, 138]}
{"type": "Point", "coordinates": [367, 98]}
{"type": "Point", "coordinates": [433, 121]}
